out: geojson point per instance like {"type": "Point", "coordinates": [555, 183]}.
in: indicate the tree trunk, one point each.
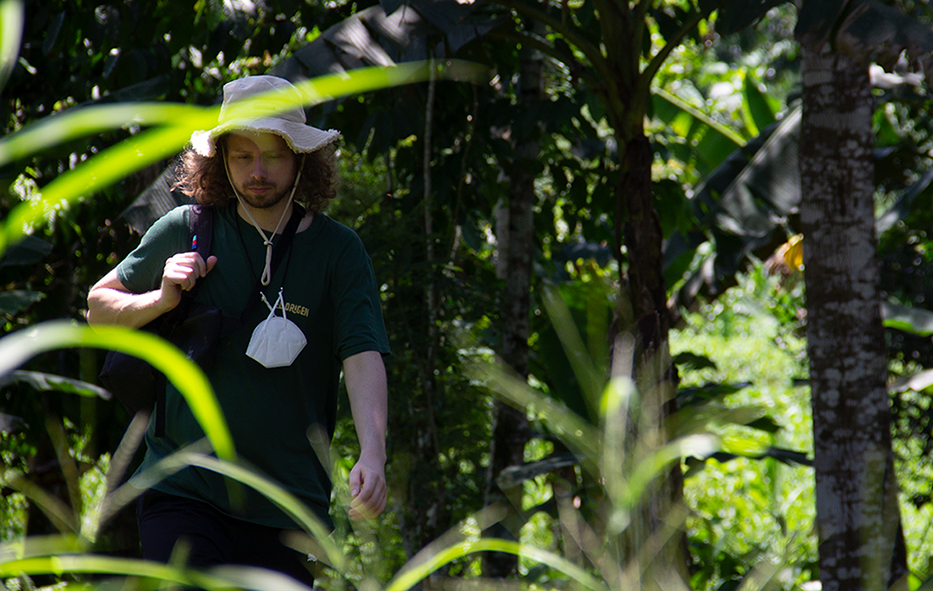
{"type": "Point", "coordinates": [510, 425]}
{"type": "Point", "coordinates": [643, 312]}
{"type": "Point", "coordinates": [858, 519]}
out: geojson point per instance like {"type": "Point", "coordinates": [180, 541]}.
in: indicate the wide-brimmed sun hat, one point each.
{"type": "Point", "coordinates": [238, 113]}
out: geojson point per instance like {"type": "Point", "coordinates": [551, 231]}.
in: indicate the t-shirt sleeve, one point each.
{"type": "Point", "coordinates": [358, 310]}
{"type": "Point", "coordinates": [141, 270]}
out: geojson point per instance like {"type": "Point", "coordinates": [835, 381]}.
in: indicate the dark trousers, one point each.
{"type": "Point", "coordinates": [213, 538]}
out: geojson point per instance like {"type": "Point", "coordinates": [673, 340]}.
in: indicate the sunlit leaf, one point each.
{"type": "Point", "coordinates": [409, 577]}
{"type": "Point", "coordinates": [677, 112]}
{"type": "Point", "coordinates": [910, 320]}
{"type": "Point", "coordinates": [92, 120]}
{"type": "Point", "coordinates": [917, 382]}
{"type": "Point", "coordinates": [756, 104]}
{"type": "Point", "coordinates": [11, 35]}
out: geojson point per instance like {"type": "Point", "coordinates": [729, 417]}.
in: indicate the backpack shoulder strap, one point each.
{"type": "Point", "coordinates": [201, 228]}
{"type": "Point", "coordinates": [201, 231]}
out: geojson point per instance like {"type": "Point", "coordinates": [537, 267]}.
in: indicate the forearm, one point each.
{"type": "Point", "coordinates": [110, 302]}
{"type": "Point", "coordinates": [367, 390]}
{"type": "Point", "coordinates": [112, 306]}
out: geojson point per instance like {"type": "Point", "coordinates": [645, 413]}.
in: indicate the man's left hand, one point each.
{"type": "Point", "coordinates": [368, 489]}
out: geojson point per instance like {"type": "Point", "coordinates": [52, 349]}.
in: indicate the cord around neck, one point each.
{"type": "Point", "coordinates": [266, 277]}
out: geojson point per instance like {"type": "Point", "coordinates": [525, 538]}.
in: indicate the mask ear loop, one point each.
{"type": "Point", "coordinates": [267, 241]}
{"type": "Point", "coordinates": [279, 302]}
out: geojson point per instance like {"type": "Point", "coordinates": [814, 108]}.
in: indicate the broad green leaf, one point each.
{"type": "Point", "coordinates": [578, 434]}
{"type": "Point", "coordinates": [28, 251]}
{"type": "Point", "coordinates": [657, 463]}
{"type": "Point", "coordinates": [589, 376]}
{"type": "Point", "coordinates": [757, 105]}
{"type": "Point", "coordinates": [688, 360]}
{"type": "Point", "coordinates": [766, 424]}
{"type": "Point", "coordinates": [740, 204]}
{"type": "Point", "coordinates": [788, 457]}
{"type": "Point", "coordinates": [703, 418]}
{"type": "Point", "coordinates": [49, 382]}
{"type": "Point", "coordinates": [910, 320]}
{"type": "Point", "coordinates": [688, 396]}
{"type": "Point", "coordinates": [742, 445]}
{"type": "Point", "coordinates": [17, 300]}
{"type": "Point", "coordinates": [94, 175]}
{"type": "Point", "coordinates": [91, 120]}
{"type": "Point", "coordinates": [674, 111]}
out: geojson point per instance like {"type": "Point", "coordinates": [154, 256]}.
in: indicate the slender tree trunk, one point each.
{"type": "Point", "coordinates": [510, 426]}
{"type": "Point", "coordinates": [860, 541]}
{"type": "Point", "coordinates": [643, 312]}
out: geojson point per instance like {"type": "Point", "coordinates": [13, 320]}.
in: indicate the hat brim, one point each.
{"type": "Point", "coordinates": [301, 138]}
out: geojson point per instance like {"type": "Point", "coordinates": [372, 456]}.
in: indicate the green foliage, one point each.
{"type": "Point", "coordinates": [749, 516]}
{"type": "Point", "coordinates": [748, 512]}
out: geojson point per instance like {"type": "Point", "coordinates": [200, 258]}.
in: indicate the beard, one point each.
{"type": "Point", "coordinates": [272, 197]}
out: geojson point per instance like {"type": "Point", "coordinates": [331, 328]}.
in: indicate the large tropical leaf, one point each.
{"type": "Point", "coordinates": [867, 28]}
{"type": "Point", "coordinates": [735, 15]}
{"type": "Point", "coordinates": [714, 141]}
{"type": "Point", "coordinates": [29, 251]}
{"type": "Point", "coordinates": [742, 207]}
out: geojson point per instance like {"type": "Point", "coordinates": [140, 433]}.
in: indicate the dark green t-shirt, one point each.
{"type": "Point", "coordinates": [274, 414]}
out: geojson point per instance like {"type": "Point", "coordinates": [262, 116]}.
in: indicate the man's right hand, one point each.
{"type": "Point", "coordinates": [110, 302]}
{"type": "Point", "coordinates": [181, 273]}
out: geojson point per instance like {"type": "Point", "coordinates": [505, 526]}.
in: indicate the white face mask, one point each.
{"type": "Point", "coordinates": [276, 341]}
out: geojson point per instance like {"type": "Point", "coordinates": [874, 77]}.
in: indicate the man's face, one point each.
{"type": "Point", "coordinates": [262, 168]}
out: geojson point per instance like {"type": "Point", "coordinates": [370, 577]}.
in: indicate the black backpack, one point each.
{"type": "Point", "coordinates": [194, 328]}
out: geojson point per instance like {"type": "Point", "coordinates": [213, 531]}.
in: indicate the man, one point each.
{"type": "Point", "coordinates": [256, 171]}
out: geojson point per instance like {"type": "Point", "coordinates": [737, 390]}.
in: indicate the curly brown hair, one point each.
{"type": "Point", "coordinates": [205, 180]}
